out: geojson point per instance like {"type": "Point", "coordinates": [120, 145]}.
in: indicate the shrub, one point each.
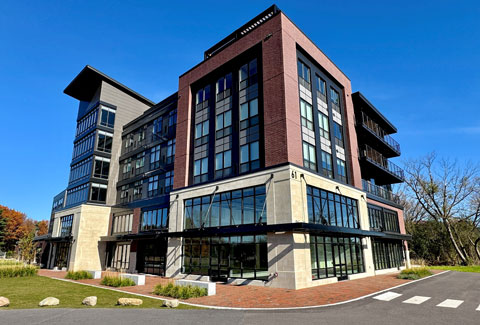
{"type": "Point", "coordinates": [17, 271]}
{"type": "Point", "coordinates": [182, 292]}
{"type": "Point", "coordinates": [79, 275]}
{"type": "Point", "coordinates": [117, 281]}
{"type": "Point", "coordinates": [10, 263]}
{"type": "Point", "coordinates": [414, 273]}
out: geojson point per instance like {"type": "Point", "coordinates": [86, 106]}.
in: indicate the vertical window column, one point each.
{"type": "Point", "coordinates": [325, 168]}
{"type": "Point", "coordinates": [202, 128]}
{"type": "Point", "coordinates": [306, 113]}
{"type": "Point", "coordinates": [249, 118]}
{"type": "Point", "coordinates": [223, 127]}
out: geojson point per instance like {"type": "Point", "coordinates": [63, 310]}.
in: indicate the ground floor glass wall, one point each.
{"type": "Point", "coordinates": [335, 256]}
{"type": "Point", "coordinates": [151, 256]}
{"type": "Point", "coordinates": [227, 256]}
{"type": "Point", "coordinates": [61, 254]}
{"type": "Point", "coordinates": [387, 254]}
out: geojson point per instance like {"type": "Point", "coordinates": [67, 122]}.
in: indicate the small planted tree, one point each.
{"type": "Point", "coordinates": [27, 248]}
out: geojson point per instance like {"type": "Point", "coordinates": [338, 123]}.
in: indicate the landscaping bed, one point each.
{"type": "Point", "coordinates": [14, 269]}
{"type": "Point", "coordinates": [27, 292]}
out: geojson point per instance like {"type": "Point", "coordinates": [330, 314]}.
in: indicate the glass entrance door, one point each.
{"type": "Point", "coordinates": [220, 262]}
{"type": "Point", "coordinates": [152, 257]}
{"type": "Point", "coordinates": [340, 264]}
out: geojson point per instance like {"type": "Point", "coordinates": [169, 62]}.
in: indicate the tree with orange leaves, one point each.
{"type": "Point", "coordinates": [13, 228]}
{"type": "Point", "coordinates": [42, 227]}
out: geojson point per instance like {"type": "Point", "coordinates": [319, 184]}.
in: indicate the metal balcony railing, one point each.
{"type": "Point", "coordinates": [379, 132]}
{"type": "Point", "coordinates": [378, 159]}
{"type": "Point", "coordinates": [380, 192]}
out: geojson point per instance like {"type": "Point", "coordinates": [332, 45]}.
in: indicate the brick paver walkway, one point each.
{"type": "Point", "coordinates": [264, 297]}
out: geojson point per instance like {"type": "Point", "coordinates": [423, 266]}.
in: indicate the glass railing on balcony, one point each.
{"type": "Point", "coordinates": [379, 132]}
{"type": "Point", "coordinates": [380, 191]}
{"type": "Point", "coordinates": [378, 159]}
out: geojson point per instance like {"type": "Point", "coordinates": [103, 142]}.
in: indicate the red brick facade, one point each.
{"type": "Point", "coordinates": [282, 131]}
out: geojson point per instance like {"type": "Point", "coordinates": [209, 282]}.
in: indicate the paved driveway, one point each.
{"type": "Point", "coordinates": [450, 298]}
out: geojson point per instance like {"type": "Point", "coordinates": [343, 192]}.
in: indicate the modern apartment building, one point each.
{"type": "Point", "coordinates": [81, 212]}
{"type": "Point", "coordinates": [263, 168]}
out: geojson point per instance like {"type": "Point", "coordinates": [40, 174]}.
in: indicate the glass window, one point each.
{"type": "Point", "coordinates": [387, 254]}
{"type": "Point", "coordinates": [307, 115]}
{"type": "Point", "coordinates": [66, 223]}
{"type": "Point", "coordinates": [202, 97]}
{"type": "Point", "coordinates": [107, 116]}
{"type": "Point", "coordinates": [200, 167]}
{"type": "Point", "coordinates": [249, 109]}
{"type": "Point", "coordinates": [335, 256]}
{"type": "Point", "coordinates": [247, 74]}
{"type": "Point", "coordinates": [104, 142]}
{"type": "Point", "coordinates": [324, 128]}
{"type": "Point", "coordinates": [102, 166]}
{"type": "Point", "coordinates": [342, 172]}
{"type": "Point", "coordinates": [244, 154]}
{"type": "Point", "coordinates": [249, 156]}
{"type": "Point", "coordinates": [245, 206]}
{"type": "Point", "coordinates": [153, 185]}
{"type": "Point", "coordinates": [309, 156]}
{"type": "Point", "coordinates": [338, 133]}
{"type": "Point", "coordinates": [155, 157]}
{"type": "Point", "coordinates": [303, 71]}
{"type": "Point", "coordinates": [224, 120]}
{"type": "Point", "coordinates": [223, 160]}
{"type": "Point", "coordinates": [154, 219]}
{"type": "Point", "coordinates": [321, 86]}
{"type": "Point", "coordinates": [98, 192]}
{"type": "Point", "coordinates": [334, 97]}
{"type": "Point", "coordinates": [331, 209]}
{"type": "Point", "coordinates": [327, 164]}
{"type": "Point", "coordinates": [201, 129]}
{"type": "Point", "coordinates": [170, 151]}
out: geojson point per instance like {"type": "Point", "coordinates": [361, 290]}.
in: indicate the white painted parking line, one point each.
{"type": "Point", "coordinates": [478, 308]}
{"type": "Point", "coordinates": [450, 303]}
{"type": "Point", "coordinates": [416, 300]}
{"type": "Point", "coordinates": [387, 296]}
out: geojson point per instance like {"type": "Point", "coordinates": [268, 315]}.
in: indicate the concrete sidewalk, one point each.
{"type": "Point", "coordinates": [264, 297]}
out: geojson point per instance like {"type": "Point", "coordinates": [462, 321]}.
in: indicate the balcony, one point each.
{"type": "Point", "coordinates": [380, 168]}
{"type": "Point", "coordinates": [380, 134]}
{"type": "Point", "coordinates": [380, 192]}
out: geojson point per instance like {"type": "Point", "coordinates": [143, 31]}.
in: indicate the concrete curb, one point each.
{"type": "Point", "coordinates": [257, 309]}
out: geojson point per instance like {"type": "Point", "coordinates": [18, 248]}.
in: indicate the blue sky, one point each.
{"type": "Point", "coordinates": [416, 61]}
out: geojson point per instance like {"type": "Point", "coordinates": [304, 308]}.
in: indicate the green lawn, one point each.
{"type": "Point", "coordinates": [474, 268]}
{"type": "Point", "coordinates": [27, 292]}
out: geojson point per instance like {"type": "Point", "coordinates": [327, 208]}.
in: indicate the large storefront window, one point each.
{"type": "Point", "coordinates": [335, 256]}
{"type": "Point", "coordinates": [331, 209]}
{"type": "Point", "coordinates": [239, 207]}
{"type": "Point", "coordinates": [227, 257]}
{"type": "Point", "coordinates": [383, 219]}
{"type": "Point", "coordinates": [387, 254]}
